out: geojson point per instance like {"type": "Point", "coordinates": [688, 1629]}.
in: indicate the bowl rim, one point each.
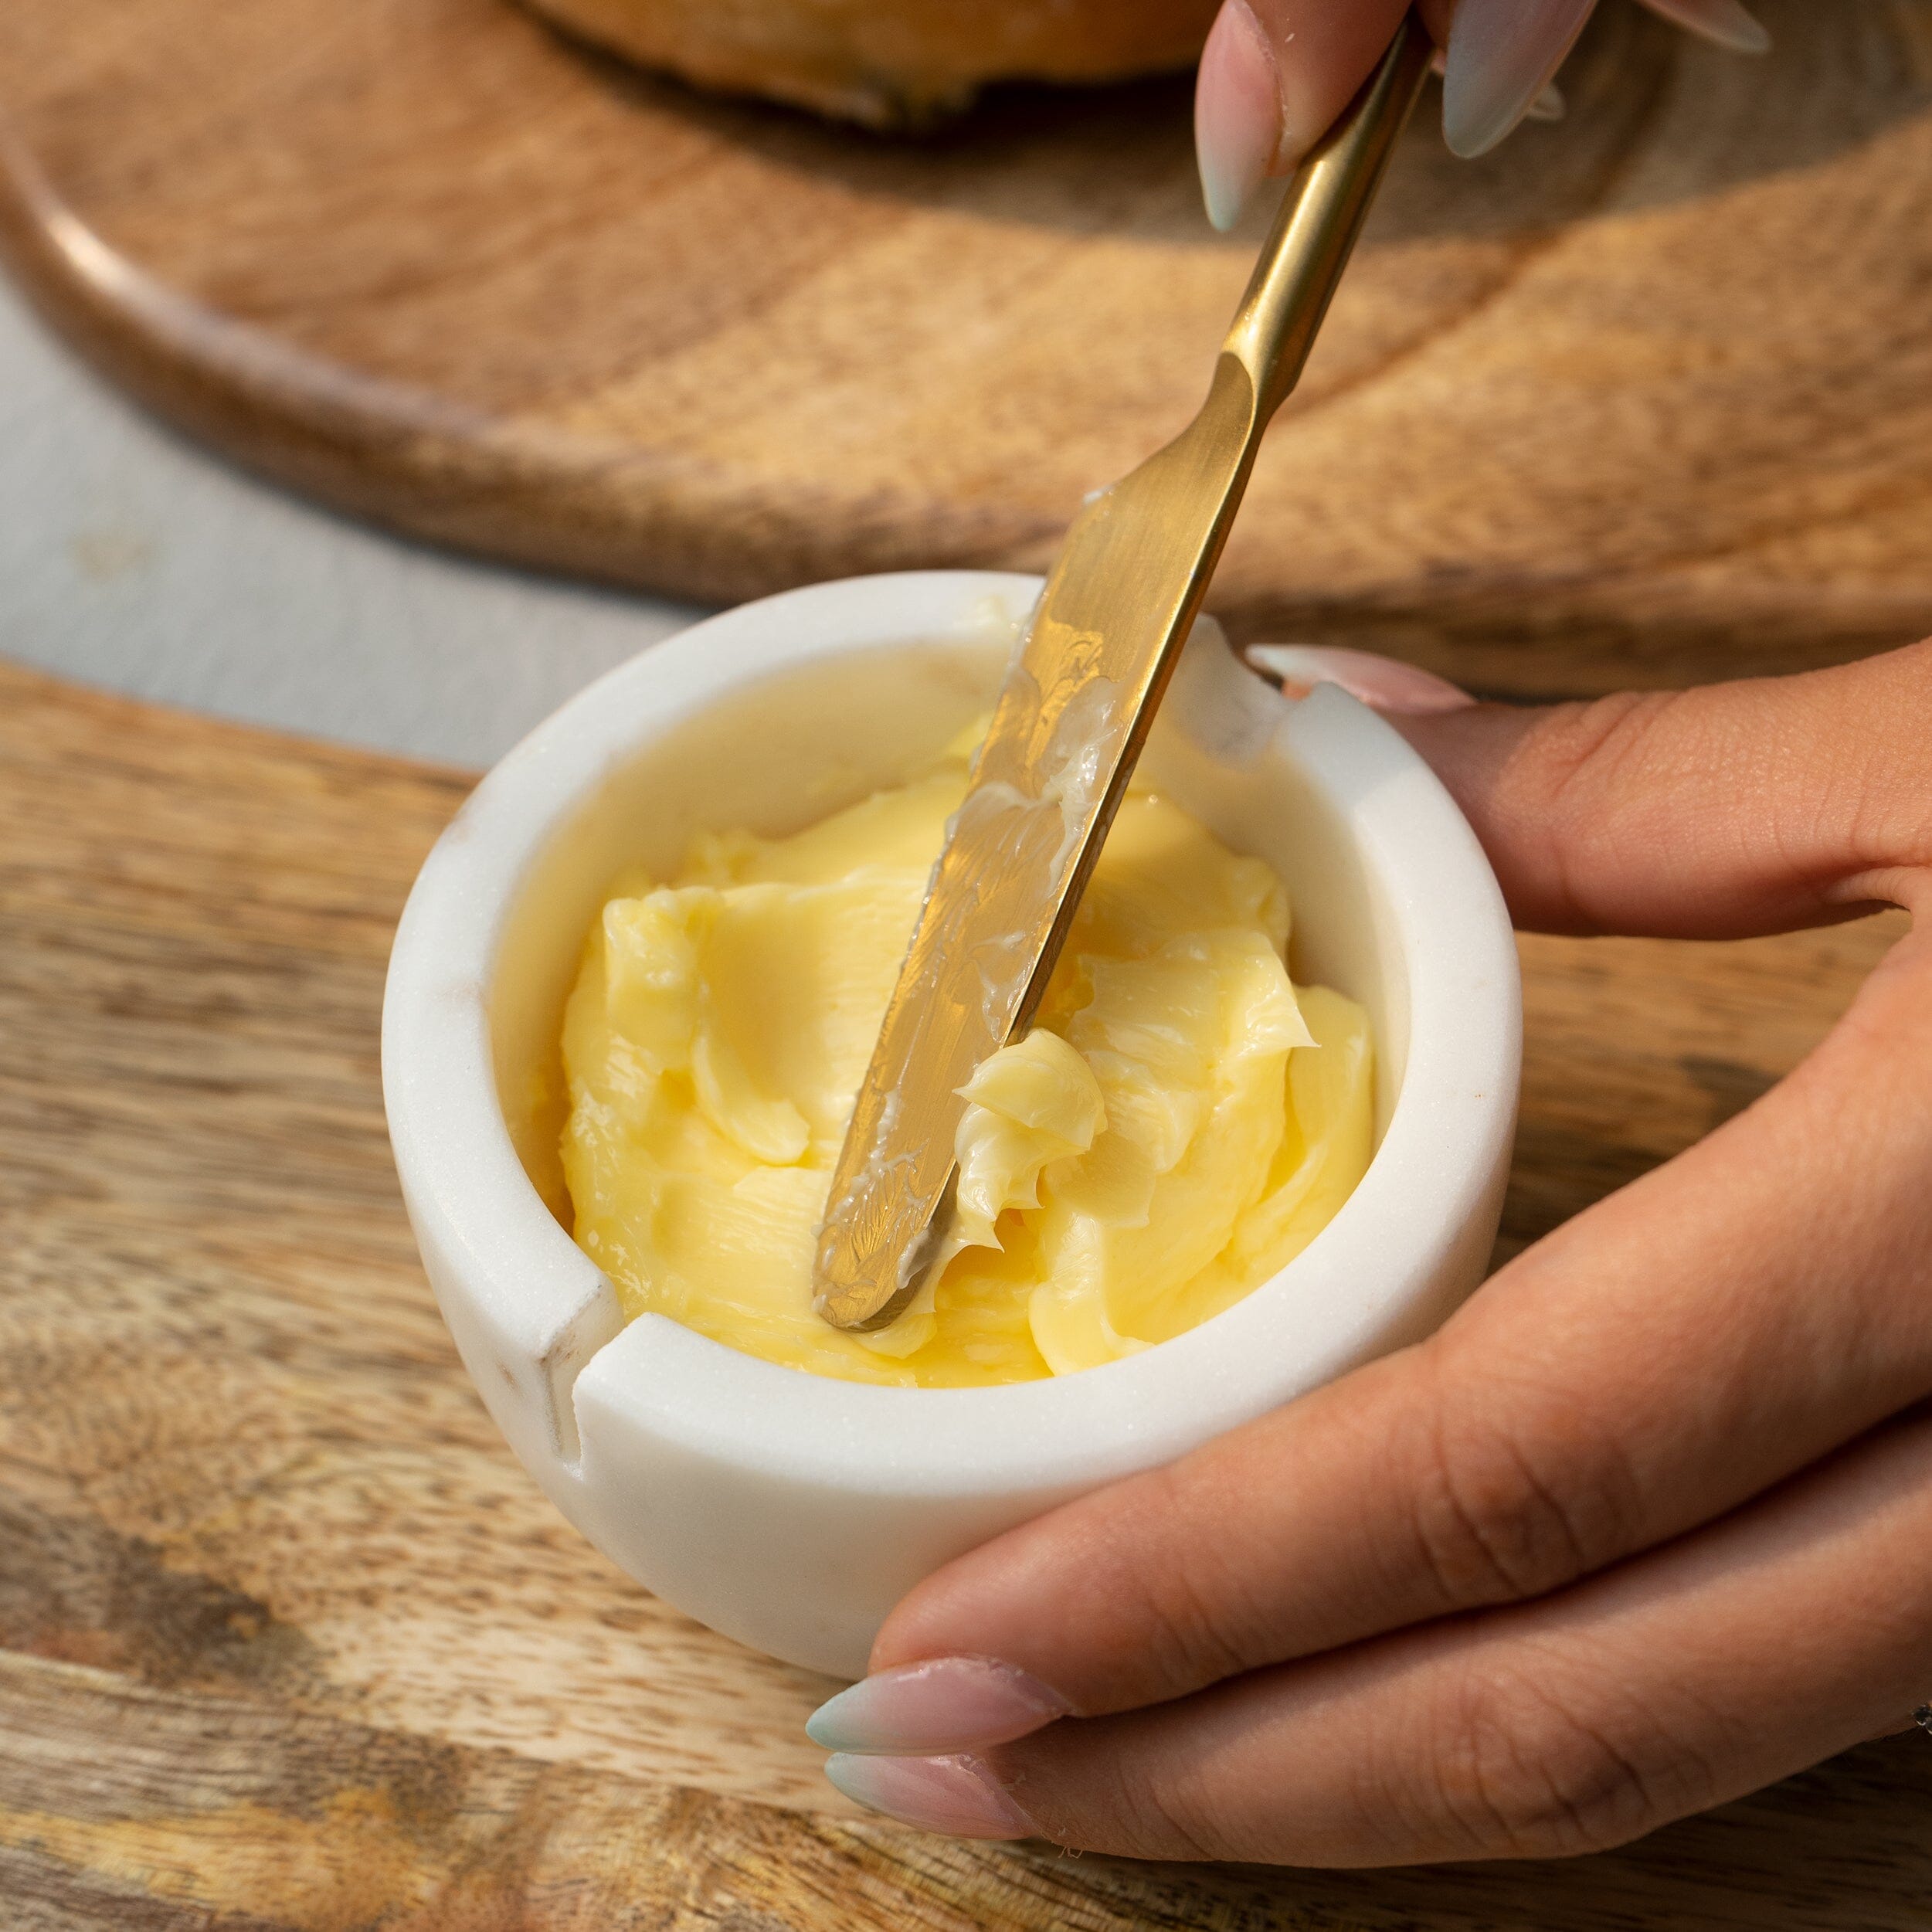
{"type": "Point", "coordinates": [519, 1278]}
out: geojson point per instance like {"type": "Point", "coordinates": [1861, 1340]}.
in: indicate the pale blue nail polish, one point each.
{"type": "Point", "coordinates": [1501, 55]}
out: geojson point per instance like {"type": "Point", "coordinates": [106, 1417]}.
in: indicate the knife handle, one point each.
{"type": "Point", "coordinates": [1321, 216]}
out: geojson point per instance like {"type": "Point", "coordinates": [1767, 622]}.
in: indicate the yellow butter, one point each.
{"type": "Point", "coordinates": [1182, 1121]}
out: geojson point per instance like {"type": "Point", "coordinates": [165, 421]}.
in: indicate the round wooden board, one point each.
{"type": "Point", "coordinates": [1647, 395]}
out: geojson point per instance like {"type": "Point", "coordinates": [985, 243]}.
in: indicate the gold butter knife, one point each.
{"type": "Point", "coordinates": [1068, 725]}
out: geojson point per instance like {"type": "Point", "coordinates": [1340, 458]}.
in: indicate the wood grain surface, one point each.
{"type": "Point", "coordinates": [288, 1643]}
{"type": "Point", "coordinates": [1652, 384]}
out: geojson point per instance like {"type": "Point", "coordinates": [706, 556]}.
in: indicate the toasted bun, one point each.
{"type": "Point", "coordinates": [889, 63]}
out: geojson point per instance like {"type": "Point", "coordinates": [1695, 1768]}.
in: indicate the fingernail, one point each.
{"type": "Point", "coordinates": [1238, 113]}
{"type": "Point", "coordinates": [956, 1796]}
{"type": "Point", "coordinates": [1723, 21]}
{"type": "Point", "coordinates": [950, 1704]}
{"type": "Point", "coordinates": [1385, 684]}
{"type": "Point", "coordinates": [1550, 105]}
{"type": "Point", "coordinates": [1502, 54]}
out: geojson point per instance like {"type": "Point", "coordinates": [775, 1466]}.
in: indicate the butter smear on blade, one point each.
{"type": "Point", "coordinates": [1181, 1122]}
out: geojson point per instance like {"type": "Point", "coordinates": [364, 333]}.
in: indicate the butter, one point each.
{"type": "Point", "coordinates": [1181, 1122]}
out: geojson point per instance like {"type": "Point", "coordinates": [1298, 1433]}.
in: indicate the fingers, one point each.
{"type": "Point", "coordinates": [1713, 813]}
{"type": "Point", "coordinates": [1501, 55]}
{"type": "Point", "coordinates": [1725, 23]}
{"type": "Point", "coordinates": [1667, 1356]}
{"type": "Point", "coordinates": [1786, 1634]}
{"type": "Point", "coordinates": [1274, 76]}
{"type": "Point", "coordinates": [1276, 73]}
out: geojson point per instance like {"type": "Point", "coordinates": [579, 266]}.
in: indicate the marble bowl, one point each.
{"type": "Point", "coordinates": [791, 1511]}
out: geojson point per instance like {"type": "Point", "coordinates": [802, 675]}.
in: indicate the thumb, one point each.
{"type": "Point", "coordinates": [1718, 812]}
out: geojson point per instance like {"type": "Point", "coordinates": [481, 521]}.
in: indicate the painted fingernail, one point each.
{"type": "Point", "coordinates": [1238, 113]}
{"type": "Point", "coordinates": [1502, 54]}
{"type": "Point", "coordinates": [1385, 684]}
{"type": "Point", "coordinates": [956, 1796]}
{"type": "Point", "coordinates": [1723, 21]}
{"type": "Point", "coordinates": [1550, 105]}
{"type": "Point", "coordinates": [950, 1704]}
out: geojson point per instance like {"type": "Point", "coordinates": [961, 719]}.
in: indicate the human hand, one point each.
{"type": "Point", "coordinates": [1646, 1526]}
{"type": "Point", "coordinates": [1276, 73]}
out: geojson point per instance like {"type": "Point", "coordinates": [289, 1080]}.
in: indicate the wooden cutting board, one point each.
{"type": "Point", "coordinates": [1653, 385]}
{"type": "Point", "coordinates": [288, 1642]}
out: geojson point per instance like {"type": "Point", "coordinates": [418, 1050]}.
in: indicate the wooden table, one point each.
{"type": "Point", "coordinates": [288, 1643]}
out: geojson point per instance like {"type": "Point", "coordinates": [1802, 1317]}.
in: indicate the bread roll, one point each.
{"type": "Point", "coordinates": [889, 63]}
